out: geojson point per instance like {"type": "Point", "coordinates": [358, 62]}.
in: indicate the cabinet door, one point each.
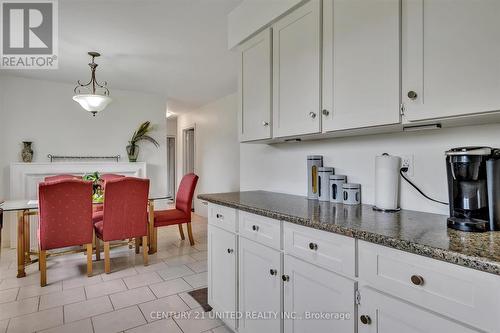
{"type": "Point", "coordinates": [222, 254]}
{"type": "Point", "coordinates": [259, 287]}
{"type": "Point", "coordinates": [361, 68]}
{"type": "Point", "coordinates": [451, 52]}
{"type": "Point", "coordinates": [255, 88]}
{"type": "Point", "coordinates": [296, 72]}
{"type": "Point", "coordinates": [379, 313]}
{"type": "Point", "coordinates": [322, 301]}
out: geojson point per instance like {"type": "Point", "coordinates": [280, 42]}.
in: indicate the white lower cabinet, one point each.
{"type": "Point", "coordinates": [379, 313]}
{"type": "Point", "coordinates": [222, 258]}
{"type": "Point", "coordinates": [322, 301]}
{"type": "Point", "coordinates": [259, 287]}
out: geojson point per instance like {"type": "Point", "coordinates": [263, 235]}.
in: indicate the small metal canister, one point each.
{"type": "Point", "coordinates": [313, 163]}
{"type": "Point", "coordinates": [324, 174]}
{"type": "Point", "coordinates": [352, 193]}
{"type": "Point", "coordinates": [336, 182]}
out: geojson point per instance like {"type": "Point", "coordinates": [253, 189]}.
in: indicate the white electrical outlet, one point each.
{"type": "Point", "coordinates": [407, 162]}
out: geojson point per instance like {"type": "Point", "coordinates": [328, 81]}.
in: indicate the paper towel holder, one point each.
{"type": "Point", "coordinates": [375, 208]}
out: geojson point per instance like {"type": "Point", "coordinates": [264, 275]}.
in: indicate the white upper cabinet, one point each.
{"type": "Point", "coordinates": [451, 57]}
{"type": "Point", "coordinates": [297, 72]}
{"type": "Point", "coordinates": [361, 63]}
{"type": "Point", "coordinates": [255, 88]}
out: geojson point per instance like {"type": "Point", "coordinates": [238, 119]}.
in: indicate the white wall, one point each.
{"type": "Point", "coordinates": [282, 167]}
{"type": "Point", "coordinates": [43, 112]}
{"type": "Point", "coordinates": [216, 147]}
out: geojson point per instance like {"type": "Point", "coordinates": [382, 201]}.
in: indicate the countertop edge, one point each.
{"type": "Point", "coordinates": [477, 263]}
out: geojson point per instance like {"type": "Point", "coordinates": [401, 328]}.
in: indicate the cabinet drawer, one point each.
{"type": "Point", "coordinates": [222, 217]}
{"type": "Point", "coordinates": [457, 292]}
{"type": "Point", "coordinates": [260, 229]}
{"type": "Point", "coordinates": [321, 248]}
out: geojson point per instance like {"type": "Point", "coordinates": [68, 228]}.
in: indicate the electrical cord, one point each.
{"type": "Point", "coordinates": [402, 171]}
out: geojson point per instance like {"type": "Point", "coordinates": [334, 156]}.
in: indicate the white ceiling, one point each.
{"type": "Point", "coordinates": [175, 48]}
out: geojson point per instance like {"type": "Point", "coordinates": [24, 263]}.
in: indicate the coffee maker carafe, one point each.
{"type": "Point", "coordinates": [473, 188]}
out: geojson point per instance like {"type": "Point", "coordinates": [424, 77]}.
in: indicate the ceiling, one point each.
{"type": "Point", "coordinates": [174, 48]}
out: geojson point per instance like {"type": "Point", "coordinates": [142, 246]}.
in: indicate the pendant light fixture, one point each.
{"type": "Point", "coordinates": [97, 97]}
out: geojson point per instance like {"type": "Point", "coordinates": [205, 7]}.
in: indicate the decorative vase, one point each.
{"type": "Point", "coordinates": [27, 152]}
{"type": "Point", "coordinates": [132, 152]}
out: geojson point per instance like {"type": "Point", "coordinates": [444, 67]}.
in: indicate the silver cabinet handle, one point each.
{"type": "Point", "coordinates": [219, 216]}
{"type": "Point", "coordinates": [255, 228]}
{"type": "Point", "coordinates": [265, 123]}
{"type": "Point", "coordinates": [273, 271]}
{"type": "Point", "coordinates": [312, 115]}
{"type": "Point", "coordinates": [325, 112]}
{"type": "Point", "coordinates": [313, 246]}
{"type": "Point", "coordinates": [230, 251]}
{"type": "Point", "coordinates": [285, 278]}
{"type": "Point", "coordinates": [365, 319]}
{"type": "Point", "coordinates": [417, 280]}
{"type": "Point", "coordinates": [412, 95]}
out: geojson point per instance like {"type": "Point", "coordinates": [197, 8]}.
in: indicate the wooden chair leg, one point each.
{"type": "Point", "coordinates": [107, 266]}
{"type": "Point", "coordinates": [145, 250]}
{"type": "Point", "coordinates": [42, 257]}
{"type": "Point", "coordinates": [89, 259]}
{"type": "Point", "coordinates": [97, 249]}
{"type": "Point", "coordinates": [154, 245]}
{"type": "Point", "coordinates": [137, 244]}
{"type": "Point", "coordinates": [181, 231]}
{"type": "Point", "coordinates": [190, 233]}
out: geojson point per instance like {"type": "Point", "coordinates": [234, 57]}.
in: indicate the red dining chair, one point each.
{"type": "Point", "coordinates": [124, 215]}
{"type": "Point", "coordinates": [61, 177]}
{"type": "Point", "coordinates": [65, 213]}
{"type": "Point", "coordinates": [182, 212]}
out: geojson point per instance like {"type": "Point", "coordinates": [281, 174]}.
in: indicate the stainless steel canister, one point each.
{"type": "Point", "coordinates": [324, 174]}
{"type": "Point", "coordinates": [313, 163]}
{"type": "Point", "coordinates": [336, 182]}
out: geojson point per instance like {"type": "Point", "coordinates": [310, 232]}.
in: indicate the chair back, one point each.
{"type": "Point", "coordinates": [65, 212]}
{"type": "Point", "coordinates": [110, 176]}
{"type": "Point", "coordinates": [61, 177]}
{"type": "Point", "coordinates": [184, 198]}
{"type": "Point", "coordinates": [125, 208]}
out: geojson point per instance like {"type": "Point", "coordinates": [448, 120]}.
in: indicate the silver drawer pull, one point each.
{"type": "Point", "coordinates": [273, 272]}
{"type": "Point", "coordinates": [365, 319]}
{"type": "Point", "coordinates": [417, 280]}
{"type": "Point", "coordinates": [255, 227]}
{"type": "Point", "coordinates": [219, 216]}
{"type": "Point", "coordinates": [285, 278]}
{"type": "Point", "coordinates": [230, 251]}
{"type": "Point", "coordinates": [313, 246]}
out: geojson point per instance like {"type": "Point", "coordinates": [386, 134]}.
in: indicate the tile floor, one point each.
{"type": "Point", "coordinates": [133, 298]}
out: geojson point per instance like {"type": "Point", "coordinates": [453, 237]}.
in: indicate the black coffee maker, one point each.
{"type": "Point", "coordinates": [474, 188]}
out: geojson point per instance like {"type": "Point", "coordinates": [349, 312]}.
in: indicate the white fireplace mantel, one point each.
{"type": "Point", "coordinates": [25, 177]}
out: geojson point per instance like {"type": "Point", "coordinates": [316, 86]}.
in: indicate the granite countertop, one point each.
{"type": "Point", "coordinates": [421, 233]}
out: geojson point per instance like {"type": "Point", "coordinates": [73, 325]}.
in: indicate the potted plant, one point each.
{"type": "Point", "coordinates": [142, 134]}
{"type": "Point", "coordinates": [97, 193]}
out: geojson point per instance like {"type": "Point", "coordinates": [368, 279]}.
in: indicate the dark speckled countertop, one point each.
{"type": "Point", "coordinates": [411, 231]}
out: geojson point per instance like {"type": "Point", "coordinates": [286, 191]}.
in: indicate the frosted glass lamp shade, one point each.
{"type": "Point", "coordinates": [93, 103]}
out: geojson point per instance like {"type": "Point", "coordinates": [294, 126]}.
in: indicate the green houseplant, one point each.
{"type": "Point", "coordinates": [97, 193]}
{"type": "Point", "coordinates": [142, 134]}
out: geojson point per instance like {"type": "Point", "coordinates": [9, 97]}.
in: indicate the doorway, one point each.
{"type": "Point", "coordinates": [188, 138]}
{"type": "Point", "coordinates": [171, 166]}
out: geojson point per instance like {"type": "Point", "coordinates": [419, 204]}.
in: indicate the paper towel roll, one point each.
{"type": "Point", "coordinates": [387, 182]}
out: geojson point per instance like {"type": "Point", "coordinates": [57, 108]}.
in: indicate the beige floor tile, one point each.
{"type": "Point", "coordinates": [81, 281]}
{"type": "Point", "coordinates": [3, 325]}
{"type": "Point", "coordinates": [174, 272]}
{"type": "Point", "coordinates": [119, 320]}
{"type": "Point", "coordinates": [18, 308]}
{"type": "Point", "coordinates": [82, 326]}
{"type": "Point", "coordinates": [197, 280]}
{"type": "Point", "coordinates": [36, 290]}
{"type": "Point", "coordinates": [36, 321]}
{"type": "Point", "coordinates": [105, 288]}
{"type": "Point", "coordinates": [131, 297]}
{"type": "Point", "coordinates": [202, 255]}
{"type": "Point", "coordinates": [118, 274]}
{"type": "Point", "coordinates": [196, 321]}
{"type": "Point", "coordinates": [87, 309]}
{"type": "Point", "coordinates": [142, 280]}
{"type": "Point", "coordinates": [160, 326]}
{"type": "Point", "coordinates": [162, 308]}
{"type": "Point", "coordinates": [201, 246]}
{"type": "Point", "coordinates": [13, 282]}
{"type": "Point", "coordinates": [179, 260]}
{"type": "Point", "coordinates": [170, 287]}
{"type": "Point", "coordinates": [199, 266]}
{"type": "Point", "coordinates": [152, 267]}
{"type": "Point", "coordinates": [61, 298]}
{"type": "Point", "coordinates": [189, 300]}
{"type": "Point", "coordinates": [8, 295]}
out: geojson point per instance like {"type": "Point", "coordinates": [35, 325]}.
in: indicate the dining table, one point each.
{"type": "Point", "coordinates": [27, 208]}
